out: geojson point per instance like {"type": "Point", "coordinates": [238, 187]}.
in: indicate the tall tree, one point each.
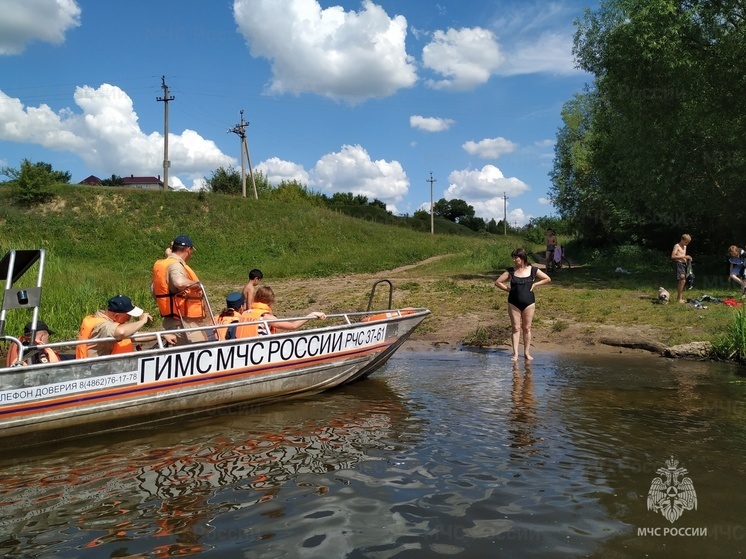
{"type": "Point", "coordinates": [453, 210]}
{"type": "Point", "coordinates": [664, 130]}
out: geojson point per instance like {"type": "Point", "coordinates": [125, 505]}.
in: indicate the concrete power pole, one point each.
{"type": "Point", "coordinates": [240, 130]}
{"type": "Point", "coordinates": [165, 99]}
{"type": "Point", "coordinates": [505, 212]}
{"type": "Point", "coordinates": [431, 180]}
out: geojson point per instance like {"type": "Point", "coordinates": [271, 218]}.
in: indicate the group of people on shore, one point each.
{"type": "Point", "coordinates": [520, 281]}
{"type": "Point", "coordinates": [683, 262]}
{"type": "Point", "coordinates": [183, 307]}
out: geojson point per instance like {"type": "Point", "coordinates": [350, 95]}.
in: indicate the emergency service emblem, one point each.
{"type": "Point", "coordinates": [671, 494]}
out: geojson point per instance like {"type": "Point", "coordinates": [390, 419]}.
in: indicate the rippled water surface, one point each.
{"type": "Point", "coordinates": [457, 454]}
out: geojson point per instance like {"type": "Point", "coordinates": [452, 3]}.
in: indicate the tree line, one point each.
{"type": "Point", "coordinates": [654, 146]}
{"type": "Point", "coordinates": [32, 183]}
{"type": "Point", "coordinates": [228, 181]}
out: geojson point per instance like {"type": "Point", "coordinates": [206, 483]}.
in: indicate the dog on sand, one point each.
{"type": "Point", "coordinates": [663, 296]}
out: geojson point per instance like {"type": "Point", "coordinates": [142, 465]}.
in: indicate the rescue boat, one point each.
{"type": "Point", "coordinates": [74, 397]}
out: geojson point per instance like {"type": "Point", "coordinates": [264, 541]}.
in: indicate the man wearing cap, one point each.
{"type": "Point", "coordinates": [41, 337]}
{"type": "Point", "coordinates": [178, 292]}
{"type": "Point", "coordinates": [234, 306]}
{"type": "Point", "coordinates": [114, 322]}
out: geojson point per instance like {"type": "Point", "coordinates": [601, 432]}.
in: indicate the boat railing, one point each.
{"type": "Point", "coordinates": [348, 318]}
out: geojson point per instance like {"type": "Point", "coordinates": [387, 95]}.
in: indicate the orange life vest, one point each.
{"type": "Point", "coordinates": [46, 355]}
{"type": "Point", "coordinates": [229, 316]}
{"type": "Point", "coordinates": [86, 329]}
{"type": "Point", "coordinates": [185, 304]}
{"type": "Point", "coordinates": [250, 325]}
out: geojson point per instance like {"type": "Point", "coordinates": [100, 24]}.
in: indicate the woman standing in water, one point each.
{"type": "Point", "coordinates": [523, 278]}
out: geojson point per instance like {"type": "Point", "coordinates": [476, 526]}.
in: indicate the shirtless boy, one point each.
{"type": "Point", "coordinates": [255, 278]}
{"type": "Point", "coordinates": [681, 259]}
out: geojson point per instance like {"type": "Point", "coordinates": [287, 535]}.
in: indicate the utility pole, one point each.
{"type": "Point", "coordinates": [431, 180]}
{"type": "Point", "coordinates": [240, 130]}
{"type": "Point", "coordinates": [505, 212]}
{"type": "Point", "coordinates": [165, 99]}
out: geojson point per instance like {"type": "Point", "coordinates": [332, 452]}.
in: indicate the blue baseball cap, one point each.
{"type": "Point", "coordinates": [183, 241]}
{"type": "Point", "coordinates": [123, 304]}
{"type": "Point", "coordinates": [234, 300]}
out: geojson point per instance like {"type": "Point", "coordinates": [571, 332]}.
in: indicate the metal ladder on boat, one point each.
{"type": "Point", "coordinates": [373, 292]}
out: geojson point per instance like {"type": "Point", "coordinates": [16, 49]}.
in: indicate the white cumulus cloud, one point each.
{"type": "Point", "coordinates": [430, 123]}
{"type": "Point", "coordinates": [276, 170]}
{"type": "Point", "coordinates": [107, 136]}
{"type": "Point", "coordinates": [352, 170]}
{"type": "Point", "coordinates": [24, 21]}
{"type": "Point", "coordinates": [465, 58]}
{"type": "Point", "coordinates": [490, 148]}
{"type": "Point", "coordinates": [350, 56]}
{"type": "Point", "coordinates": [484, 190]}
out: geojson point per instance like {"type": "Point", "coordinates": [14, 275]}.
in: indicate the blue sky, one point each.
{"type": "Point", "coordinates": [346, 96]}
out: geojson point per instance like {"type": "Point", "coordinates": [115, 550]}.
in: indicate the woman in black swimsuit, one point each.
{"type": "Point", "coordinates": [521, 301]}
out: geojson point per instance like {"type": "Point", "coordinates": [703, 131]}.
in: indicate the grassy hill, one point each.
{"type": "Point", "coordinates": [103, 241]}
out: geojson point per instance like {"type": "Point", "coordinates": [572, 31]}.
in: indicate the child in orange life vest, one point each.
{"type": "Point", "coordinates": [115, 323]}
{"type": "Point", "coordinates": [41, 337]}
{"type": "Point", "coordinates": [261, 309]}
{"type": "Point", "coordinates": [234, 306]}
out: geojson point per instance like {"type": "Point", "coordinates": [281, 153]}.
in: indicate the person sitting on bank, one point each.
{"type": "Point", "coordinates": [41, 337]}
{"type": "Point", "coordinates": [234, 306]}
{"type": "Point", "coordinates": [114, 322]}
{"type": "Point", "coordinates": [737, 265]}
{"type": "Point", "coordinates": [261, 309]}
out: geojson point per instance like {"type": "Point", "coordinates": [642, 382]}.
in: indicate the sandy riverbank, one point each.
{"type": "Point", "coordinates": [455, 320]}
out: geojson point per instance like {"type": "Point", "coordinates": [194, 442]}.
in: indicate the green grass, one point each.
{"type": "Point", "coordinates": [103, 241]}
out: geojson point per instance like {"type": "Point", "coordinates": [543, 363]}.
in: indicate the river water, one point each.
{"type": "Point", "coordinates": [442, 453]}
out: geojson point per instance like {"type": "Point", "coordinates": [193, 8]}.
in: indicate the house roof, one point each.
{"type": "Point", "coordinates": [92, 179]}
{"type": "Point", "coordinates": [142, 180]}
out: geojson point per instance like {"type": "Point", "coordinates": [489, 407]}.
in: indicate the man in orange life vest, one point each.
{"type": "Point", "coordinates": [115, 323]}
{"type": "Point", "coordinates": [178, 292]}
{"type": "Point", "coordinates": [41, 337]}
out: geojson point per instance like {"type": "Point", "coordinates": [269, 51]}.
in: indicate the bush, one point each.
{"type": "Point", "coordinates": [33, 184]}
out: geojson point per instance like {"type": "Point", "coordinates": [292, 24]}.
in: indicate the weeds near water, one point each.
{"type": "Point", "coordinates": [731, 345]}
{"type": "Point", "coordinates": [488, 336]}
{"type": "Point", "coordinates": [559, 326]}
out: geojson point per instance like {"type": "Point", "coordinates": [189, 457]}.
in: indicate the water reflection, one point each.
{"type": "Point", "coordinates": [523, 411]}
{"type": "Point", "coordinates": [154, 494]}
{"type": "Point", "coordinates": [444, 453]}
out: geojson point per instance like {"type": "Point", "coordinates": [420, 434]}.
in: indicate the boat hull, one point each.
{"type": "Point", "coordinates": [75, 397]}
